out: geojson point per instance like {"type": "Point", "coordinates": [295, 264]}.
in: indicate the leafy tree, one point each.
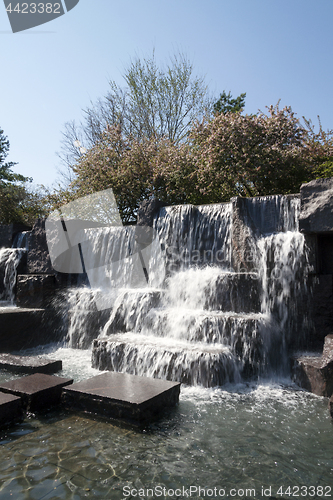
{"type": "Point", "coordinates": [226, 104]}
{"type": "Point", "coordinates": [18, 203]}
{"type": "Point", "coordinates": [156, 102]}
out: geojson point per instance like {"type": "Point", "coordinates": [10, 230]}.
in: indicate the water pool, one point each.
{"type": "Point", "coordinates": [238, 441]}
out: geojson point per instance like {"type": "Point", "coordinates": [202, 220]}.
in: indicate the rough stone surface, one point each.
{"type": "Point", "coordinates": [237, 292]}
{"type": "Point", "coordinates": [315, 373]}
{"type": "Point", "coordinates": [317, 206]}
{"type": "Point", "coordinates": [147, 211]}
{"type": "Point", "coordinates": [92, 322]}
{"type": "Point", "coordinates": [10, 408]}
{"type": "Point", "coordinates": [38, 391]}
{"type": "Point", "coordinates": [38, 261]}
{"type": "Point", "coordinates": [8, 232]}
{"type": "Point", "coordinates": [308, 374]}
{"type": "Point", "coordinates": [36, 291]}
{"type": "Point", "coordinates": [29, 364]}
{"type": "Point", "coordinates": [330, 406]}
{"type": "Point", "coordinates": [322, 308]}
{"type": "Point", "coordinates": [122, 396]}
{"type": "Point", "coordinates": [253, 217]}
{"type": "Point", "coordinates": [24, 328]}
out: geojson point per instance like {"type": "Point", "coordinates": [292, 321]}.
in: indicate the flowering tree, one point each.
{"type": "Point", "coordinates": [251, 155]}
{"type": "Point", "coordinates": [135, 170]}
{"type": "Point", "coordinates": [229, 155]}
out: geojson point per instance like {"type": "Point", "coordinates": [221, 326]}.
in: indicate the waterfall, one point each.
{"type": "Point", "coordinates": [197, 319]}
{"type": "Point", "coordinates": [9, 261]}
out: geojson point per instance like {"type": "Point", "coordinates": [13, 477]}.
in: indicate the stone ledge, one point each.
{"type": "Point", "coordinates": [38, 391]}
{"type": "Point", "coordinates": [29, 364]}
{"type": "Point", "coordinates": [122, 396]}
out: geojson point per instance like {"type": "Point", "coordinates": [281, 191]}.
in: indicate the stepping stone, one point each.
{"type": "Point", "coordinates": [38, 391]}
{"type": "Point", "coordinates": [10, 408]}
{"type": "Point", "coordinates": [122, 396]}
{"type": "Point", "coordinates": [29, 364]}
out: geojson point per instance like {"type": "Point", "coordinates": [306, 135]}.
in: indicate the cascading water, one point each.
{"type": "Point", "coordinates": [197, 320]}
{"type": "Point", "coordinates": [9, 261]}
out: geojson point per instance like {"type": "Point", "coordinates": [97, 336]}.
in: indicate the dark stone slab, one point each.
{"type": "Point", "coordinates": [10, 408]}
{"type": "Point", "coordinates": [317, 206]}
{"type": "Point", "coordinates": [122, 396]}
{"type": "Point", "coordinates": [38, 391]}
{"type": "Point", "coordinates": [24, 328]}
{"type": "Point", "coordinates": [29, 364]}
{"type": "Point", "coordinates": [35, 291]}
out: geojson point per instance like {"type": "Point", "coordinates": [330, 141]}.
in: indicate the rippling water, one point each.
{"type": "Point", "coordinates": [245, 436]}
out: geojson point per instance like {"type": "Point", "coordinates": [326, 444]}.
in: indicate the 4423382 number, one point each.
{"type": "Point", "coordinates": [305, 491]}
{"type": "Point", "coordinates": [34, 8]}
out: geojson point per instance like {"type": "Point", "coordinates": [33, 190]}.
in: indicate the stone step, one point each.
{"type": "Point", "coordinates": [29, 364]}
{"type": "Point", "coordinates": [35, 290]}
{"type": "Point", "coordinates": [10, 409]}
{"type": "Point", "coordinates": [38, 391]}
{"type": "Point", "coordinates": [122, 396]}
{"type": "Point", "coordinates": [203, 326]}
{"type": "Point", "coordinates": [237, 292]}
{"type": "Point", "coordinates": [22, 328]}
{"type": "Point", "coordinates": [203, 364]}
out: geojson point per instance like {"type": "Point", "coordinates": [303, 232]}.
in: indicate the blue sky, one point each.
{"type": "Point", "coordinates": [269, 49]}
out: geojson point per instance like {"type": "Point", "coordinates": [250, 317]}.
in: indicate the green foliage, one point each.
{"type": "Point", "coordinates": [226, 104]}
{"type": "Point", "coordinates": [18, 203]}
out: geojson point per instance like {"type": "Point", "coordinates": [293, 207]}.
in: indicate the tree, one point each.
{"type": "Point", "coordinates": [320, 150]}
{"type": "Point", "coordinates": [18, 203]}
{"type": "Point", "coordinates": [226, 103]}
{"type": "Point", "coordinates": [156, 102]}
{"type": "Point", "coordinates": [250, 155]}
{"type": "Point", "coordinates": [135, 169]}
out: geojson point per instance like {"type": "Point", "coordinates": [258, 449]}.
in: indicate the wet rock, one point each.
{"type": "Point", "coordinates": [315, 373]}
{"type": "Point", "coordinates": [254, 217]}
{"type": "Point", "coordinates": [147, 210]}
{"type": "Point", "coordinates": [317, 206]}
{"type": "Point", "coordinates": [38, 260]}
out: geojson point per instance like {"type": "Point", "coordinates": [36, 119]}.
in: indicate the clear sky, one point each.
{"type": "Point", "coordinates": [270, 49]}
